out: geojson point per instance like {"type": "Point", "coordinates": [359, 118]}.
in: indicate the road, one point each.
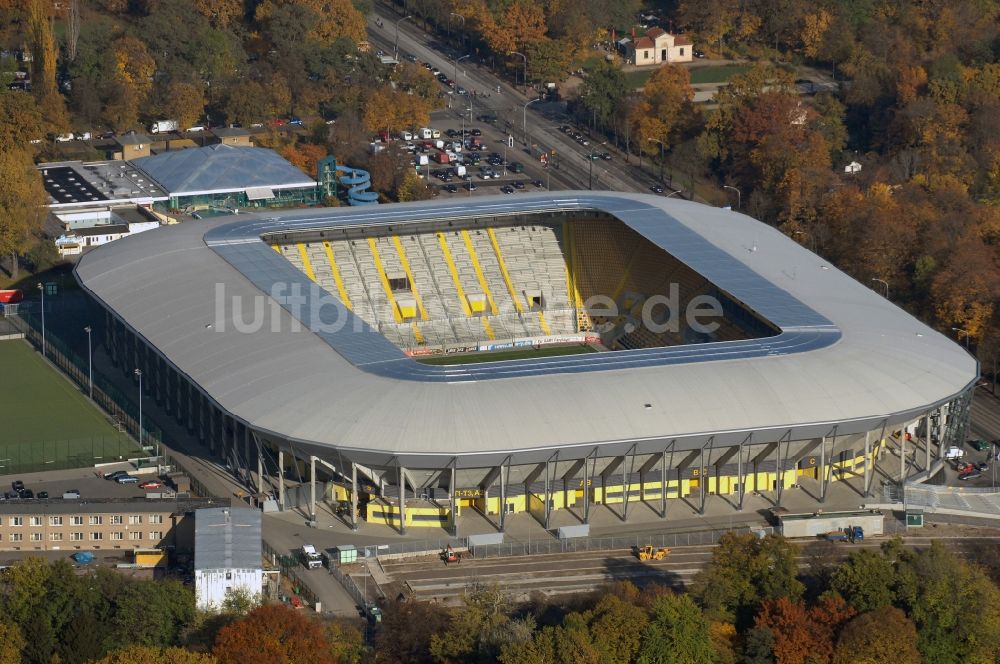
{"type": "Point", "coordinates": [541, 120]}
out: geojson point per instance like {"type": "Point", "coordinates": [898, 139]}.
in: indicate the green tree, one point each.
{"type": "Point", "coordinates": [549, 60]}
{"type": "Point", "coordinates": [154, 655]}
{"type": "Point", "coordinates": [185, 103]}
{"type": "Point", "coordinates": [603, 92]}
{"type": "Point", "coordinates": [865, 580]}
{"type": "Point", "coordinates": [43, 66]}
{"type": "Point", "coordinates": [745, 571]}
{"type": "Point", "coordinates": [153, 614]}
{"type": "Point", "coordinates": [677, 633]}
{"type": "Point", "coordinates": [616, 629]}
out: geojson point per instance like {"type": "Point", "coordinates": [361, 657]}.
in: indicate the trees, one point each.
{"type": "Point", "coordinates": [865, 580]}
{"type": "Point", "coordinates": [604, 91]}
{"type": "Point", "coordinates": [185, 103]}
{"type": "Point", "coordinates": [516, 24]}
{"type": "Point", "coordinates": [616, 628]}
{"type": "Point", "coordinates": [882, 635]}
{"type": "Point", "coordinates": [549, 59]}
{"type": "Point", "coordinates": [346, 641]}
{"type": "Point", "coordinates": [11, 643]}
{"type": "Point", "coordinates": [677, 633]}
{"type": "Point", "coordinates": [407, 629]}
{"type": "Point", "coordinates": [745, 571]}
{"type": "Point", "coordinates": [43, 66]}
{"type": "Point", "coordinates": [664, 105]}
{"type": "Point", "coordinates": [337, 18]}
{"type": "Point", "coordinates": [134, 67]}
{"type": "Point", "coordinates": [273, 633]}
{"type": "Point", "coordinates": [22, 213]}
{"type": "Point", "coordinates": [153, 655]}
{"type": "Point", "coordinates": [803, 635]}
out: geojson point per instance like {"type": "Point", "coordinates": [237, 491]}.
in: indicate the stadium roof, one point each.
{"type": "Point", "coordinates": [221, 168]}
{"type": "Point", "coordinates": [846, 360]}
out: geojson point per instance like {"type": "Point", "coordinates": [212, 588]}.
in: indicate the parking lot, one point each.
{"type": "Point", "coordinates": [84, 480]}
{"type": "Point", "coordinates": [977, 465]}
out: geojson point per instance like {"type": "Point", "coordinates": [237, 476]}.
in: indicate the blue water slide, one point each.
{"type": "Point", "coordinates": [357, 181]}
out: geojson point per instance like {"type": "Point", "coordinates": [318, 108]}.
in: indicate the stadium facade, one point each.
{"type": "Point", "coordinates": [296, 340]}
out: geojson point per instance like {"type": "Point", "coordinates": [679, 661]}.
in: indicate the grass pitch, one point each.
{"type": "Point", "coordinates": [46, 420]}
{"type": "Point", "coordinates": [501, 355]}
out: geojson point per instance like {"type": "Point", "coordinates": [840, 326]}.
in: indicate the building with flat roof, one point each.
{"type": "Point", "coordinates": [76, 185]}
{"type": "Point", "coordinates": [236, 136]}
{"type": "Point", "coordinates": [373, 367]}
{"type": "Point", "coordinates": [87, 525]}
{"type": "Point", "coordinates": [227, 554]}
{"type": "Point", "coordinates": [228, 176]}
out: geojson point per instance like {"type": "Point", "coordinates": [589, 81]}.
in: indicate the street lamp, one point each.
{"type": "Point", "coordinates": [450, 14]}
{"type": "Point", "coordinates": [90, 363]}
{"type": "Point", "coordinates": [524, 117]}
{"type": "Point", "coordinates": [965, 332]}
{"type": "Point", "coordinates": [457, 60]}
{"type": "Point", "coordinates": [656, 140]}
{"type": "Point", "coordinates": [395, 45]}
{"type": "Point", "coordinates": [673, 193]}
{"type": "Point", "coordinates": [524, 76]}
{"type": "Point", "coordinates": [739, 196]}
{"type": "Point", "coordinates": [884, 283]}
{"type": "Point", "coordinates": [41, 289]}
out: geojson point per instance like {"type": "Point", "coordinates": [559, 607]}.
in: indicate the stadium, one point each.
{"type": "Point", "coordinates": [534, 353]}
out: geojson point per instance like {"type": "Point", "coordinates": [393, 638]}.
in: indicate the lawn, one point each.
{"type": "Point", "coordinates": [499, 356]}
{"type": "Point", "coordinates": [47, 421]}
{"type": "Point", "coordinates": [713, 74]}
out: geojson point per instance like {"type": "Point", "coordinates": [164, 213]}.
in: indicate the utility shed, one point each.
{"type": "Point", "coordinates": [227, 554]}
{"type": "Point", "coordinates": [814, 524]}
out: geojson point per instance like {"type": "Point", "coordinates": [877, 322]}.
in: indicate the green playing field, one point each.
{"type": "Point", "coordinates": [47, 422]}
{"type": "Point", "coordinates": [499, 356]}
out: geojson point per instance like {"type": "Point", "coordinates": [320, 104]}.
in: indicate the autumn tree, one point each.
{"type": "Point", "coordinates": [44, 86]}
{"type": "Point", "coordinates": [549, 60]}
{"type": "Point", "coordinates": [185, 102]}
{"type": "Point", "coordinates": [965, 290]}
{"type": "Point", "coordinates": [304, 156]}
{"type": "Point", "coordinates": [152, 655]}
{"type": "Point", "coordinates": [710, 20]}
{"type": "Point", "coordinates": [664, 105]}
{"type": "Point", "coordinates": [406, 631]}
{"type": "Point", "coordinates": [134, 67]}
{"type": "Point", "coordinates": [11, 643]}
{"type": "Point", "coordinates": [276, 634]}
{"type": "Point", "coordinates": [221, 13]}
{"type": "Point", "coordinates": [412, 188]}
{"type": "Point", "coordinates": [616, 629]}
{"type": "Point", "coordinates": [391, 111]}
{"type": "Point", "coordinates": [22, 213]}
{"type": "Point", "coordinates": [514, 25]}
{"type": "Point", "coordinates": [803, 635]}
{"type": "Point", "coordinates": [876, 637]}
{"type": "Point", "coordinates": [20, 120]}
{"type": "Point", "coordinates": [347, 641]}
{"type": "Point", "coordinates": [677, 633]}
{"type": "Point", "coordinates": [337, 18]}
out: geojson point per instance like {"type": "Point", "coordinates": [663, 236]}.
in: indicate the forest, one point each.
{"type": "Point", "coordinates": [915, 102]}
{"type": "Point", "coordinates": [757, 601]}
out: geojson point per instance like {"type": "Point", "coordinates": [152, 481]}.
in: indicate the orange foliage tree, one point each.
{"type": "Point", "coordinates": [803, 634]}
{"type": "Point", "coordinates": [276, 634]}
{"type": "Point", "coordinates": [304, 156]}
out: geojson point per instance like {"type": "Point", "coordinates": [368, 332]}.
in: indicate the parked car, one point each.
{"type": "Point", "coordinates": [476, 131]}
{"type": "Point", "coordinates": [979, 444]}
{"type": "Point", "coordinates": [71, 494]}
{"type": "Point", "coordinates": [42, 495]}
{"type": "Point", "coordinates": [451, 189]}
{"type": "Point", "coordinates": [971, 475]}
{"type": "Point", "coordinates": [295, 122]}
{"type": "Point", "coordinates": [518, 184]}
{"type": "Point", "coordinates": [470, 186]}
{"type": "Point", "coordinates": [151, 484]}
{"type": "Point", "coordinates": [27, 494]}
{"type": "Point", "coordinates": [983, 467]}
{"type": "Point", "coordinates": [64, 138]}
{"type": "Point", "coordinates": [516, 167]}
{"type": "Point", "coordinates": [17, 486]}
{"type": "Point", "coordinates": [83, 136]}
{"type": "Point", "coordinates": [127, 479]}
{"type": "Point", "coordinates": [538, 183]}
{"type": "Point", "coordinates": [507, 189]}
{"type": "Point", "coordinates": [606, 156]}
{"type": "Point", "coordinates": [699, 54]}
{"type": "Point", "coordinates": [115, 475]}
{"type": "Point", "coordinates": [657, 189]}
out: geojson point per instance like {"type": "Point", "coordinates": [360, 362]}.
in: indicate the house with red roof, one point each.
{"type": "Point", "coordinates": [658, 46]}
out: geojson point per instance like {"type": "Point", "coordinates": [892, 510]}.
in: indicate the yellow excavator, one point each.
{"type": "Point", "coordinates": [649, 553]}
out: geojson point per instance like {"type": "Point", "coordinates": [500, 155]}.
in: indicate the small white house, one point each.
{"type": "Point", "coordinates": [73, 242]}
{"type": "Point", "coordinates": [658, 47]}
{"type": "Point", "coordinates": [227, 554]}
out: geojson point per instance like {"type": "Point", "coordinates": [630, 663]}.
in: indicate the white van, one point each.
{"type": "Point", "coordinates": [425, 133]}
{"type": "Point", "coordinates": [954, 453]}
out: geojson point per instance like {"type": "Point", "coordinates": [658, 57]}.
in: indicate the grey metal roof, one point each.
{"type": "Point", "coordinates": [221, 168]}
{"type": "Point", "coordinates": [226, 538]}
{"type": "Point", "coordinates": [845, 356]}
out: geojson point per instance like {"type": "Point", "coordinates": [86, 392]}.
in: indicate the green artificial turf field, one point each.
{"type": "Point", "coordinates": [47, 422]}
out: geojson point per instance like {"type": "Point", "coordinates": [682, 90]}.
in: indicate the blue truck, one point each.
{"type": "Point", "coordinates": [852, 534]}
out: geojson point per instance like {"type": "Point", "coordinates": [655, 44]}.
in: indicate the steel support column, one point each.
{"type": "Point", "coordinates": [927, 442]}
{"type": "Point", "coordinates": [627, 482]}
{"type": "Point", "coordinates": [402, 499]}
{"type": "Point", "coordinates": [454, 503]}
{"type": "Point", "coordinates": [780, 463]}
{"type": "Point", "coordinates": [868, 461]}
{"type": "Point", "coordinates": [740, 471]}
{"type": "Point", "coordinates": [822, 470]}
{"type": "Point", "coordinates": [281, 479]}
{"type": "Point", "coordinates": [663, 484]}
{"type": "Point", "coordinates": [504, 478]}
{"type": "Point", "coordinates": [902, 455]}
{"type": "Point", "coordinates": [260, 468]}
{"type": "Point", "coordinates": [588, 472]}
{"type": "Point", "coordinates": [312, 488]}
{"type": "Point", "coordinates": [874, 460]}
{"type": "Point", "coordinates": [354, 496]}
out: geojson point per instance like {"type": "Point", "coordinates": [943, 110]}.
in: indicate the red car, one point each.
{"type": "Point", "coordinates": [151, 484]}
{"type": "Point", "coordinates": [277, 122]}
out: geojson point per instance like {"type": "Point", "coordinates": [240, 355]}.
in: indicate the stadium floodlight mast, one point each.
{"type": "Point", "coordinates": [41, 289]}
{"type": "Point", "coordinates": [90, 363]}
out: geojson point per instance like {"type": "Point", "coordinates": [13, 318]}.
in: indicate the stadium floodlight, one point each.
{"type": "Point", "coordinates": [138, 374]}
{"type": "Point", "coordinates": [41, 289]}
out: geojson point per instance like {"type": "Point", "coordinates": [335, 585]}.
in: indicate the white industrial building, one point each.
{"type": "Point", "coordinates": [227, 554]}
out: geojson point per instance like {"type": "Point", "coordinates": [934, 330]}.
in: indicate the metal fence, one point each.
{"type": "Point", "coordinates": [350, 585]}
{"type": "Point", "coordinates": [413, 548]}
{"type": "Point", "coordinates": [288, 563]}
{"type": "Point", "coordinates": [551, 546]}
